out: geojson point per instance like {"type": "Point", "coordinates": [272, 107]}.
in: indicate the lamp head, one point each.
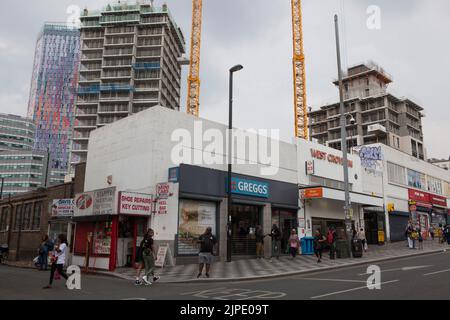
{"type": "Point", "coordinates": [236, 68]}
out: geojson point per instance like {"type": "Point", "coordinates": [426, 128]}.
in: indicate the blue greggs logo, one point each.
{"type": "Point", "coordinates": [249, 188]}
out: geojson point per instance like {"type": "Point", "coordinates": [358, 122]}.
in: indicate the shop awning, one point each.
{"type": "Point", "coordinates": [336, 194]}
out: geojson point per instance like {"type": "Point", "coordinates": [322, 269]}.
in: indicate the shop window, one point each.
{"type": "Point", "coordinates": [102, 238]}
{"type": "Point", "coordinates": [194, 218]}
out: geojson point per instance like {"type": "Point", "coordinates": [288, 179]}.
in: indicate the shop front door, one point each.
{"type": "Point", "coordinates": [371, 227]}
{"type": "Point", "coordinates": [286, 220]}
{"type": "Point", "coordinates": [244, 220]}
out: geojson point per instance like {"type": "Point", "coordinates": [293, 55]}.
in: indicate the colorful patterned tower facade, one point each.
{"type": "Point", "coordinates": [53, 94]}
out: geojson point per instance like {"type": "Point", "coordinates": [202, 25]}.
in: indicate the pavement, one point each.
{"type": "Point", "coordinates": [250, 269]}
{"type": "Point", "coordinates": [419, 277]}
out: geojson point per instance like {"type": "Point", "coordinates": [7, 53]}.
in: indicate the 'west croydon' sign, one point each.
{"type": "Point", "coordinates": [249, 188]}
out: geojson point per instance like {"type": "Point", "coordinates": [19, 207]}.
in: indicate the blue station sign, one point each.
{"type": "Point", "coordinates": [249, 188]}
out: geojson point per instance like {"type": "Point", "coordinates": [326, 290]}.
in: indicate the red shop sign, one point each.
{"type": "Point", "coordinates": [420, 196]}
{"type": "Point", "coordinates": [439, 201]}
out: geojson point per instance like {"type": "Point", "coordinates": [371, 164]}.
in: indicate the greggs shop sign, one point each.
{"type": "Point", "coordinates": [249, 188]}
{"type": "Point", "coordinates": [331, 158]}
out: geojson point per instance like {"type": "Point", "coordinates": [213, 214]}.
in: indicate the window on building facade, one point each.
{"type": "Point", "coordinates": [27, 216]}
{"type": "Point", "coordinates": [4, 218]}
{"type": "Point", "coordinates": [37, 216]}
{"type": "Point", "coordinates": [18, 217]}
{"type": "Point", "coordinates": [416, 180]}
{"type": "Point", "coordinates": [396, 174]}
{"type": "Point", "coordinates": [434, 185]}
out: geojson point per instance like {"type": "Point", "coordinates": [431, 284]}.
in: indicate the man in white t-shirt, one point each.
{"type": "Point", "coordinates": [58, 259]}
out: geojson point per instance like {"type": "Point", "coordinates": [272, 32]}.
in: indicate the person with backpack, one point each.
{"type": "Point", "coordinates": [331, 239]}
{"type": "Point", "coordinates": [206, 255]}
{"type": "Point", "coordinates": [59, 260]}
{"type": "Point", "coordinates": [275, 234]}
{"type": "Point", "coordinates": [148, 253]}
{"type": "Point", "coordinates": [319, 241]}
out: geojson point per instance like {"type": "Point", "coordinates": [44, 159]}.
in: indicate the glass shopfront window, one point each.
{"type": "Point", "coordinates": [286, 220]}
{"type": "Point", "coordinates": [194, 217]}
{"type": "Point", "coordinates": [102, 238]}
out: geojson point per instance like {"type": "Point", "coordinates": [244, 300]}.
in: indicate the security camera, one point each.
{"type": "Point", "coordinates": [352, 121]}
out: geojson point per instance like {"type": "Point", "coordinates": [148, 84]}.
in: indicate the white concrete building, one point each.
{"type": "Point", "coordinates": [166, 170]}
{"type": "Point", "coordinates": [411, 188]}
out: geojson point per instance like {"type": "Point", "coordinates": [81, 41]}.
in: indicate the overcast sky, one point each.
{"type": "Point", "coordinates": [412, 45]}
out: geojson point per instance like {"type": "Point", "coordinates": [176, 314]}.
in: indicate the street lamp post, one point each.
{"type": "Point", "coordinates": [348, 221]}
{"type": "Point", "coordinates": [230, 152]}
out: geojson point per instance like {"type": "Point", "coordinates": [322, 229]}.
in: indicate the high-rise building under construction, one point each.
{"type": "Point", "coordinates": [130, 57]}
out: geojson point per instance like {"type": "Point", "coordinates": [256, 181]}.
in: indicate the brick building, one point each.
{"type": "Point", "coordinates": [26, 218]}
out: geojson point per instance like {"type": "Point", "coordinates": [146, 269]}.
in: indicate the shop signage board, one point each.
{"type": "Point", "coordinates": [309, 167]}
{"type": "Point", "coordinates": [164, 255]}
{"type": "Point", "coordinates": [313, 193]}
{"type": "Point", "coordinates": [174, 174]}
{"type": "Point", "coordinates": [163, 190]}
{"type": "Point", "coordinates": [438, 200]}
{"type": "Point", "coordinates": [162, 206]}
{"type": "Point", "coordinates": [249, 187]}
{"type": "Point", "coordinates": [98, 202]}
{"type": "Point", "coordinates": [420, 196]}
{"type": "Point", "coordinates": [63, 207]}
{"type": "Point", "coordinates": [133, 203]}
{"type": "Point", "coordinates": [331, 158]}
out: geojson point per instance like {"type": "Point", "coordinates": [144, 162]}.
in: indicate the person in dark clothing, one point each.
{"type": "Point", "coordinates": [45, 247]}
{"type": "Point", "coordinates": [275, 234]}
{"type": "Point", "coordinates": [331, 239]}
{"type": "Point", "coordinates": [447, 233]}
{"type": "Point", "coordinates": [207, 242]}
{"type": "Point", "coordinates": [319, 241]}
{"type": "Point", "coordinates": [58, 259]}
{"type": "Point", "coordinates": [259, 235]}
{"type": "Point", "coordinates": [147, 250]}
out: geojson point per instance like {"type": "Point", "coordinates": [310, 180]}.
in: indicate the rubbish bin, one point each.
{"type": "Point", "coordinates": [307, 244]}
{"type": "Point", "coordinates": [342, 251]}
{"type": "Point", "coordinates": [357, 248]}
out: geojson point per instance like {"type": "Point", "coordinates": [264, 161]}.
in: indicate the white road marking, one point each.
{"type": "Point", "coordinates": [349, 290]}
{"type": "Point", "coordinates": [437, 272]}
{"type": "Point", "coordinates": [336, 280]}
{"type": "Point", "coordinates": [235, 294]}
{"type": "Point", "coordinates": [399, 269]}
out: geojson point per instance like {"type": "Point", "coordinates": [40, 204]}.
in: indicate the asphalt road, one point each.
{"type": "Point", "coordinates": [424, 277]}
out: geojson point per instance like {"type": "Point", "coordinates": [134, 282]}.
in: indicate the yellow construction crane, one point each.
{"type": "Point", "coordinates": [300, 108]}
{"type": "Point", "coordinates": [194, 66]}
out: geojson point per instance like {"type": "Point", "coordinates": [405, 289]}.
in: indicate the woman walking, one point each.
{"type": "Point", "coordinates": [59, 259]}
{"type": "Point", "coordinates": [319, 240]}
{"type": "Point", "coordinates": [362, 236]}
{"type": "Point", "coordinates": [294, 244]}
{"type": "Point", "coordinates": [148, 257]}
